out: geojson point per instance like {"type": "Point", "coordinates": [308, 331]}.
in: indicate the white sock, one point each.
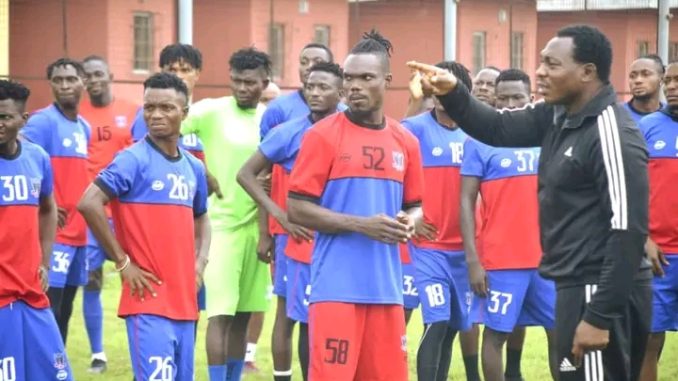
{"type": "Point", "coordinates": [99, 356]}
{"type": "Point", "coordinates": [251, 352]}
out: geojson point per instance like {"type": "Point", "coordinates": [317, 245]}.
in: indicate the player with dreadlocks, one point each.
{"type": "Point", "coordinates": [358, 182]}
{"type": "Point", "coordinates": [237, 282]}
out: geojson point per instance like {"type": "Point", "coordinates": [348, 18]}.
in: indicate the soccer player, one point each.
{"type": "Point", "coordinates": [437, 252]}
{"type": "Point", "coordinates": [31, 347]}
{"type": "Point", "coordinates": [593, 192]}
{"type": "Point", "coordinates": [237, 281]}
{"type": "Point", "coordinates": [357, 181]}
{"type": "Point", "coordinates": [645, 83]}
{"type": "Point", "coordinates": [484, 85]}
{"type": "Point", "coordinates": [503, 271]}
{"type": "Point", "coordinates": [256, 323]}
{"type": "Point", "coordinates": [63, 133]}
{"type": "Point", "coordinates": [161, 263]}
{"type": "Point", "coordinates": [283, 109]}
{"type": "Point", "coordinates": [184, 61]}
{"type": "Point", "coordinates": [661, 131]}
{"type": "Point", "coordinates": [323, 92]}
{"type": "Point", "coordinates": [110, 119]}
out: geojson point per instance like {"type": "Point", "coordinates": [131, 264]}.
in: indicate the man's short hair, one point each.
{"type": "Point", "coordinates": [590, 46]}
{"type": "Point", "coordinates": [658, 60]}
{"type": "Point", "coordinates": [181, 52]}
{"type": "Point", "coordinates": [459, 70]}
{"type": "Point", "coordinates": [166, 81]}
{"type": "Point", "coordinates": [94, 57]}
{"type": "Point", "coordinates": [250, 59]}
{"type": "Point", "coordinates": [315, 45]}
{"type": "Point", "coordinates": [514, 75]}
{"type": "Point", "coordinates": [65, 62]}
{"type": "Point", "coordinates": [327, 67]}
{"type": "Point", "coordinates": [15, 91]}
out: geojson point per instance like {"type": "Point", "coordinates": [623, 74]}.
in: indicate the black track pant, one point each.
{"type": "Point", "coordinates": [623, 357]}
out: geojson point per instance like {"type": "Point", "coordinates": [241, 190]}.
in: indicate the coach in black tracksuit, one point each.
{"type": "Point", "coordinates": [593, 199]}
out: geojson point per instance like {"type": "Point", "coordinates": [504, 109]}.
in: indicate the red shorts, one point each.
{"type": "Point", "coordinates": [365, 342]}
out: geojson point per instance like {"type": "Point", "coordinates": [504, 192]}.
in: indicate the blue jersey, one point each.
{"type": "Point", "coordinates": [190, 142]}
{"type": "Point", "coordinates": [509, 237]}
{"type": "Point", "coordinates": [65, 141]}
{"type": "Point", "coordinates": [282, 109]}
{"type": "Point", "coordinates": [635, 114]}
{"type": "Point", "coordinates": [155, 201]}
{"type": "Point", "coordinates": [359, 171]}
{"type": "Point", "coordinates": [25, 178]}
{"type": "Point", "coordinates": [282, 144]}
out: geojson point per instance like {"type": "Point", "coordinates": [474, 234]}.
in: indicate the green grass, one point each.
{"type": "Point", "coordinates": [115, 342]}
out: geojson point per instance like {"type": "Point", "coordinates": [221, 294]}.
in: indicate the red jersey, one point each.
{"type": "Point", "coordinates": [441, 152]}
{"type": "Point", "coordinates": [661, 134]}
{"type": "Point", "coordinates": [111, 131]}
{"type": "Point", "coordinates": [26, 178]}
{"type": "Point", "coordinates": [509, 237]}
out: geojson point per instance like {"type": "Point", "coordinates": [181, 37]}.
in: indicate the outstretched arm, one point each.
{"type": "Point", "coordinates": [500, 128]}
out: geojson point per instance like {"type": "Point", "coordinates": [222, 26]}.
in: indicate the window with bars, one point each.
{"type": "Point", "coordinates": [673, 51]}
{"type": "Point", "coordinates": [276, 49]}
{"type": "Point", "coordinates": [143, 41]}
{"type": "Point", "coordinates": [517, 50]}
{"type": "Point", "coordinates": [642, 48]}
{"type": "Point", "coordinates": [321, 35]}
{"type": "Point", "coordinates": [478, 51]}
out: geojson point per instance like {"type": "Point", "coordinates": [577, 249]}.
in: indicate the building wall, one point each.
{"type": "Point", "coordinates": [4, 37]}
{"type": "Point", "coordinates": [92, 27]}
{"type": "Point", "coordinates": [623, 28]}
{"type": "Point", "coordinates": [415, 27]}
{"type": "Point", "coordinates": [219, 28]}
{"type": "Point", "coordinates": [497, 19]}
{"type": "Point", "coordinates": [119, 49]}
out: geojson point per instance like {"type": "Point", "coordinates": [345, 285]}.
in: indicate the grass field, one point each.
{"type": "Point", "coordinates": [115, 342]}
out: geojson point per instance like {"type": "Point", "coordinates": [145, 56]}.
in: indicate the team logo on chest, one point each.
{"type": "Point", "coordinates": [398, 161]}
{"type": "Point", "coordinates": [121, 121]}
{"type": "Point", "coordinates": [157, 185]}
{"type": "Point", "coordinates": [659, 145]}
{"type": "Point", "coordinates": [35, 187]}
{"type": "Point", "coordinates": [505, 163]}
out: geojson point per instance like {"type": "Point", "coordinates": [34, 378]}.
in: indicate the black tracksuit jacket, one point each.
{"type": "Point", "coordinates": [593, 190]}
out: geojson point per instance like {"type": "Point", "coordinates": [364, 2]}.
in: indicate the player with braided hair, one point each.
{"type": "Point", "coordinates": [358, 182]}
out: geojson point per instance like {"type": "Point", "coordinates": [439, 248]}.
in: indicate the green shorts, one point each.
{"type": "Point", "coordinates": [237, 281]}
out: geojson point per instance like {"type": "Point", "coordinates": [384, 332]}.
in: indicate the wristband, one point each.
{"type": "Point", "coordinates": [124, 266]}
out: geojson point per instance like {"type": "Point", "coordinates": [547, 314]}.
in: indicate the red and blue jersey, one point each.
{"type": "Point", "coordinates": [442, 151]}
{"type": "Point", "coordinates": [280, 110]}
{"type": "Point", "coordinates": [65, 141]}
{"type": "Point", "coordinates": [509, 237]}
{"type": "Point", "coordinates": [190, 142]}
{"type": "Point", "coordinates": [636, 115]}
{"type": "Point", "coordinates": [25, 178]}
{"type": "Point", "coordinates": [360, 171]}
{"type": "Point", "coordinates": [281, 146]}
{"type": "Point", "coordinates": [661, 134]}
{"type": "Point", "coordinates": [155, 199]}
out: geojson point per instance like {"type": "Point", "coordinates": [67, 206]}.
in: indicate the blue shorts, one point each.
{"type": "Point", "coordinates": [517, 298]}
{"type": "Point", "coordinates": [160, 348]}
{"type": "Point", "coordinates": [96, 256]}
{"type": "Point", "coordinates": [68, 266]}
{"type": "Point", "coordinates": [30, 345]}
{"type": "Point", "coordinates": [298, 290]}
{"type": "Point", "coordinates": [442, 282]}
{"type": "Point", "coordinates": [280, 272]}
{"type": "Point", "coordinates": [410, 294]}
{"type": "Point", "coordinates": [665, 298]}
{"type": "Point", "coordinates": [201, 298]}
